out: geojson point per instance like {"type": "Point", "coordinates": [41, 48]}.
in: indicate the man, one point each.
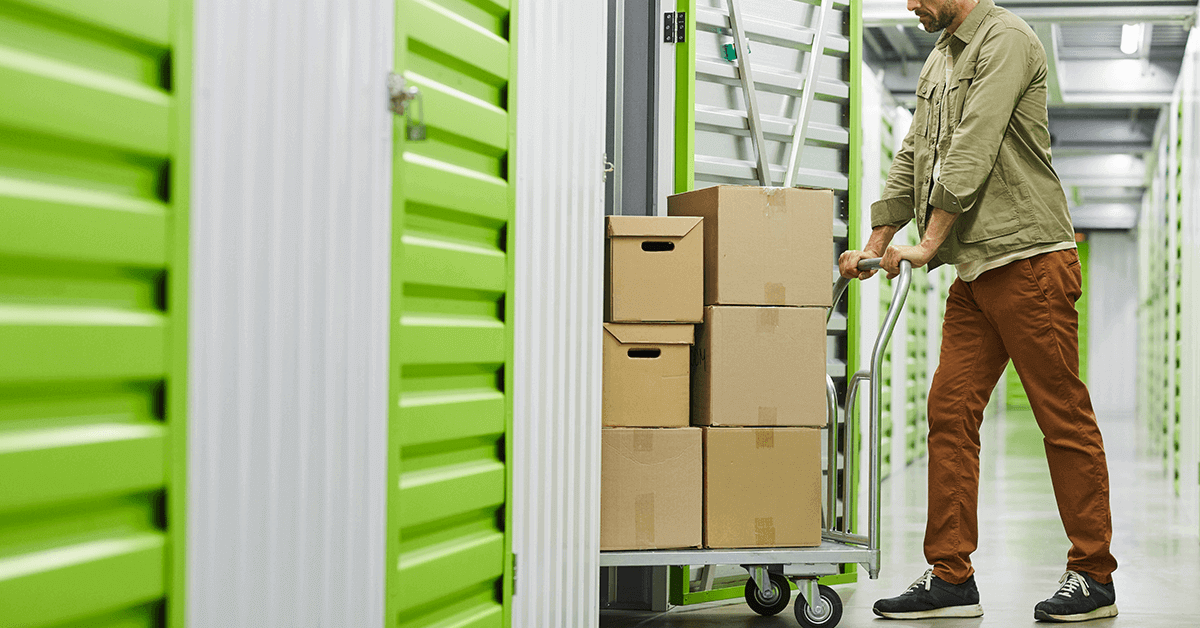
{"type": "Point", "coordinates": [975, 174]}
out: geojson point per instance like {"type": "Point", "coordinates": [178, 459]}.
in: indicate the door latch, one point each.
{"type": "Point", "coordinates": [401, 96]}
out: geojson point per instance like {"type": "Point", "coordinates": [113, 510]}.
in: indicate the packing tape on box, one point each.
{"type": "Point", "coordinates": [764, 530]}
{"type": "Point", "coordinates": [774, 294]}
{"type": "Point", "coordinates": [643, 519]}
{"type": "Point", "coordinates": [768, 416]}
{"type": "Point", "coordinates": [768, 319]}
{"type": "Point", "coordinates": [643, 441]}
{"type": "Point", "coordinates": [764, 439]}
{"type": "Point", "coordinates": [774, 205]}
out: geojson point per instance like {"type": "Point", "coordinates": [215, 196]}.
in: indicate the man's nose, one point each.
{"type": "Point", "coordinates": [913, 4]}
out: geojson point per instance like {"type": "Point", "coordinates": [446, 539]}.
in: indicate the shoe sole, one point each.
{"type": "Point", "coordinates": [1099, 613]}
{"type": "Point", "coordinates": [970, 610]}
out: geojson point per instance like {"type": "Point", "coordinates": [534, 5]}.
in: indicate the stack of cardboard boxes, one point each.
{"type": "Point", "coordinates": [651, 462]}
{"type": "Point", "coordinates": [757, 376]}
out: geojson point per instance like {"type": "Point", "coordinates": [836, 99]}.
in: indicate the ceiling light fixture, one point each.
{"type": "Point", "coordinates": [1131, 38]}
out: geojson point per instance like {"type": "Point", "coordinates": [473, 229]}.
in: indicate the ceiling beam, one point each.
{"type": "Point", "coordinates": [1048, 33]}
{"type": "Point", "coordinates": [901, 43]}
{"type": "Point", "coordinates": [1081, 150]}
{"type": "Point", "coordinates": [1119, 216]}
{"type": "Point", "coordinates": [873, 43]}
{"type": "Point", "coordinates": [891, 12]}
{"type": "Point", "coordinates": [1133, 180]}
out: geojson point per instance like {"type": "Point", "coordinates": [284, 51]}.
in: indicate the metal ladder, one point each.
{"type": "Point", "coordinates": [746, 76]}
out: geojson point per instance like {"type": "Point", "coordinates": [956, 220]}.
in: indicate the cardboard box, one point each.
{"type": "Point", "coordinates": [651, 488]}
{"type": "Point", "coordinates": [654, 269]}
{"type": "Point", "coordinates": [764, 246]}
{"type": "Point", "coordinates": [760, 366]}
{"type": "Point", "coordinates": [646, 375]}
{"type": "Point", "coordinates": [762, 487]}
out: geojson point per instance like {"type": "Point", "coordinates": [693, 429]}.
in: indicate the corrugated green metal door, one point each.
{"type": "Point", "coordinates": [93, 240]}
{"type": "Point", "coordinates": [449, 549]}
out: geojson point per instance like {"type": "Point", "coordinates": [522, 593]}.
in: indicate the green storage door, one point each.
{"type": "Point", "coordinates": [449, 551]}
{"type": "Point", "coordinates": [92, 288]}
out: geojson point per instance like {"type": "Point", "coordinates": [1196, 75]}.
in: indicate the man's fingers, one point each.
{"type": "Point", "coordinates": [848, 264]}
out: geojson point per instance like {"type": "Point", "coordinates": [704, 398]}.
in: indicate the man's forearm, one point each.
{"type": "Point", "coordinates": [881, 237]}
{"type": "Point", "coordinates": [940, 224]}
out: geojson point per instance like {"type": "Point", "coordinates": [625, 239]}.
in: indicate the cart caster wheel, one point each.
{"type": "Point", "coordinates": [773, 603]}
{"type": "Point", "coordinates": [827, 616]}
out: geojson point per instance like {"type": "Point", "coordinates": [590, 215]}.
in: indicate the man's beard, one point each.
{"type": "Point", "coordinates": [942, 17]}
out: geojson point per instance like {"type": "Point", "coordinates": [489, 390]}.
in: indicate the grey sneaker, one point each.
{"type": "Point", "coordinates": [931, 596]}
{"type": "Point", "coordinates": [1080, 598]}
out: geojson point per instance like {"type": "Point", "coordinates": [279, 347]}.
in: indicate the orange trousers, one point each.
{"type": "Point", "coordinates": [1024, 311]}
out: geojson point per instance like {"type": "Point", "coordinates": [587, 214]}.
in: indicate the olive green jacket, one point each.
{"type": "Point", "coordinates": [995, 145]}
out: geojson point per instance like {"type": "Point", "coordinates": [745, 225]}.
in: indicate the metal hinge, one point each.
{"type": "Point", "coordinates": [674, 27]}
{"type": "Point", "coordinates": [400, 94]}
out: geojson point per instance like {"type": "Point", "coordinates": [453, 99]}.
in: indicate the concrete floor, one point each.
{"type": "Point", "coordinates": [1022, 544]}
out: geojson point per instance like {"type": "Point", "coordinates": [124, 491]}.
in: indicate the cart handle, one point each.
{"type": "Point", "coordinates": [873, 377]}
{"type": "Point", "coordinates": [839, 287]}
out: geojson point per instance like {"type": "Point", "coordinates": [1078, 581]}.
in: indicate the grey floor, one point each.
{"type": "Point", "coordinates": [1022, 544]}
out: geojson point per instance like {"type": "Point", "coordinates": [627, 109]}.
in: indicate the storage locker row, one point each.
{"type": "Point", "coordinates": [1169, 303]}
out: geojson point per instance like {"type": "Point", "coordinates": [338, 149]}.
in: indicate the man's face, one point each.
{"type": "Point", "coordinates": [935, 15]}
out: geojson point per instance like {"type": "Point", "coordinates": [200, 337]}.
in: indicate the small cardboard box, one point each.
{"type": "Point", "coordinates": [764, 246]}
{"type": "Point", "coordinates": [762, 487]}
{"type": "Point", "coordinates": [654, 269]}
{"type": "Point", "coordinates": [651, 488]}
{"type": "Point", "coordinates": [646, 375]}
{"type": "Point", "coordinates": [760, 366]}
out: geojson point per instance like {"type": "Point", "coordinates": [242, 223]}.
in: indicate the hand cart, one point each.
{"type": "Point", "coordinates": [768, 590]}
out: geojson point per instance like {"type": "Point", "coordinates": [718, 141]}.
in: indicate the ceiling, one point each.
{"type": "Point", "coordinates": [1104, 104]}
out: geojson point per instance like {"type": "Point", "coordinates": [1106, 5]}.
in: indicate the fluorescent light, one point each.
{"type": "Point", "coordinates": [1131, 38]}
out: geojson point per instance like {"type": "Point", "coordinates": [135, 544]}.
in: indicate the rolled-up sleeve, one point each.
{"type": "Point", "coordinates": [1002, 75]}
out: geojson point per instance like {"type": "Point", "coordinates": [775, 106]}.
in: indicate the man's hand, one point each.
{"type": "Point", "coordinates": [918, 255]}
{"type": "Point", "coordinates": [936, 232]}
{"type": "Point", "coordinates": [848, 264]}
{"type": "Point", "coordinates": [881, 236]}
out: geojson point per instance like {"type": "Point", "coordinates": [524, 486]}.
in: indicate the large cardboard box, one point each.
{"type": "Point", "coordinates": [654, 269]}
{"type": "Point", "coordinates": [762, 487]}
{"type": "Point", "coordinates": [646, 375]}
{"type": "Point", "coordinates": [764, 246]}
{"type": "Point", "coordinates": [760, 366]}
{"type": "Point", "coordinates": [651, 488]}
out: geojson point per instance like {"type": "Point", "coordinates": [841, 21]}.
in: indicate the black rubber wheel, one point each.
{"type": "Point", "coordinates": [829, 617]}
{"type": "Point", "coordinates": [775, 602]}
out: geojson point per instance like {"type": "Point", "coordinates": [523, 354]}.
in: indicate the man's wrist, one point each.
{"type": "Point", "coordinates": [927, 250]}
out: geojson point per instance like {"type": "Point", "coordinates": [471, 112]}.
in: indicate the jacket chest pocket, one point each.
{"type": "Point", "coordinates": [956, 98]}
{"type": "Point", "coordinates": [926, 100]}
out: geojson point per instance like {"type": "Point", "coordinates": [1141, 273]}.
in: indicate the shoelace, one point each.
{"type": "Point", "coordinates": [1070, 582]}
{"type": "Point", "coordinates": [924, 581]}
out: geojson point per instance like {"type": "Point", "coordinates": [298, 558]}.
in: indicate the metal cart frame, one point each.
{"type": "Point", "coordinates": [767, 591]}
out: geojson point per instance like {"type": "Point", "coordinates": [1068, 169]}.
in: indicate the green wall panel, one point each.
{"type": "Point", "coordinates": [449, 550]}
{"type": "Point", "coordinates": [93, 187]}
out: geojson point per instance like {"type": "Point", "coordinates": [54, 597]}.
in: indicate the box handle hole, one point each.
{"type": "Point", "coordinates": [658, 247]}
{"type": "Point", "coordinates": [645, 353]}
